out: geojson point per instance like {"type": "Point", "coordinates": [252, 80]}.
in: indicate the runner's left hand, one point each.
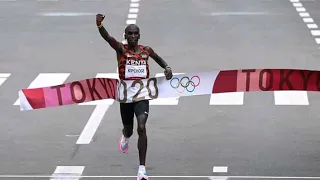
{"type": "Point", "coordinates": [168, 73]}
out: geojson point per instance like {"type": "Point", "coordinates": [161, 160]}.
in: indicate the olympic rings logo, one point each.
{"type": "Point", "coordinates": [186, 83]}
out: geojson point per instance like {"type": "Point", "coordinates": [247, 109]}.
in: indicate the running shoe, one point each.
{"type": "Point", "coordinates": [142, 174]}
{"type": "Point", "coordinates": [123, 144]}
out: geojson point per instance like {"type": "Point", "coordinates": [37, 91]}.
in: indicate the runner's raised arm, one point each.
{"type": "Point", "coordinates": [106, 36]}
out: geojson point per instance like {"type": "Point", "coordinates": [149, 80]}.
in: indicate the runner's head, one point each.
{"type": "Point", "coordinates": [132, 34]}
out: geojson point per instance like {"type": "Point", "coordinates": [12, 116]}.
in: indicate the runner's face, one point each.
{"type": "Point", "coordinates": [133, 35]}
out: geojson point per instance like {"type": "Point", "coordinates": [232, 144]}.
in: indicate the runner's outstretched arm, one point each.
{"type": "Point", "coordinates": [156, 57]}
{"type": "Point", "coordinates": [105, 35]}
{"type": "Point", "coordinates": [161, 62]}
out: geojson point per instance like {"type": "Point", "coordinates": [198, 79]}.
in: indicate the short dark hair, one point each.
{"type": "Point", "coordinates": [131, 26]}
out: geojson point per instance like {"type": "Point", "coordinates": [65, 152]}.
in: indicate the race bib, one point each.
{"type": "Point", "coordinates": [136, 71]}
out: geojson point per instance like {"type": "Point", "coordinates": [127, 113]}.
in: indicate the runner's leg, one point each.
{"type": "Point", "coordinates": [127, 115]}
{"type": "Point", "coordinates": [141, 110]}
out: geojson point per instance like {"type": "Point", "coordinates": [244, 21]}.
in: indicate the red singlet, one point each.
{"type": "Point", "coordinates": [132, 65]}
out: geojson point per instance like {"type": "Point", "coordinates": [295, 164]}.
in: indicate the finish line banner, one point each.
{"type": "Point", "coordinates": [189, 84]}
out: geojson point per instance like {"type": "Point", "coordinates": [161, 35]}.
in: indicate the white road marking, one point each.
{"type": "Point", "coordinates": [297, 97]}
{"type": "Point", "coordinates": [47, 79]}
{"type": "Point", "coordinates": [133, 10]}
{"type": "Point", "coordinates": [263, 177]}
{"type": "Point", "coordinates": [220, 169]}
{"type": "Point", "coordinates": [165, 101]}
{"type": "Point", "coordinates": [304, 14]}
{"type": "Point", "coordinates": [65, 170]}
{"type": "Point", "coordinates": [315, 32]}
{"type": "Point", "coordinates": [131, 21]}
{"type": "Point", "coordinates": [301, 9]}
{"type": "Point", "coordinates": [233, 98]}
{"type": "Point", "coordinates": [3, 77]}
{"type": "Point", "coordinates": [48, 0]}
{"type": "Point", "coordinates": [134, 5]}
{"type": "Point", "coordinates": [92, 124]}
{"type": "Point", "coordinates": [308, 20]}
{"type": "Point", "coordinates": [133, 16]}
{"type": "Point", "coordinates": [71, 135]}
{"type": "Point", "coordinates": [237, 13]}
{"type": "Point", "coordinates": [291, 98]}
{"type": "Point", "coordinates": [73, 177]}
{"type": "Point", "coordinates": [297, 4]}
{"type": "Point", "coordinates": [312, 26]}
{"type": "Point", "coordinates": [70, 14]}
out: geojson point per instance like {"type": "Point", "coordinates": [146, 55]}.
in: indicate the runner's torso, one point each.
{"type": "Point", "coordinates": [132, 65]}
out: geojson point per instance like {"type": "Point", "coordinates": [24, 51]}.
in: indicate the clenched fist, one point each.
{"type": "Point", "coordinates": [99, 19]}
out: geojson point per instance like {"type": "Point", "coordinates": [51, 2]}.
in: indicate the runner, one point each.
{"type": "Point", "coordinates": [141, 108]}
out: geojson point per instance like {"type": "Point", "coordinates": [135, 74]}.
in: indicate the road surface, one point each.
{"type": "Point", "coordinates": [252, 134]}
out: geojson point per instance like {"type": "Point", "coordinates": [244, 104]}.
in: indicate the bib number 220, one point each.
{"type": "Point", "coordinates": [141, 85]}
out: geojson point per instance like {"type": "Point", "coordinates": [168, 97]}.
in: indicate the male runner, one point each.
{"type": "Point", "coordinates": [140, 108]}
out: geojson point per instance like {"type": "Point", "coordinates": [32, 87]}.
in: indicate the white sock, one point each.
{"type": "Point", "coordinates": [125, 138]}
{"type": "Point", "coordinates": [142, 167]}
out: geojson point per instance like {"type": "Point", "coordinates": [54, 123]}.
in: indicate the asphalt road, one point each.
{"type": "Point", "coordinates": [257, 138]}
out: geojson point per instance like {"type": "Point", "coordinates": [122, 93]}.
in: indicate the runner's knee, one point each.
{"type": "Point", "coordinates": [142, 119]}
{"type": "Point", "coordinates": [141, 129]}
